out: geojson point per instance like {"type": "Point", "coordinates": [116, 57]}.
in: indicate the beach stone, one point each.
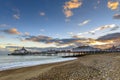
{"type": "Point", "coordinates": [91, 67]}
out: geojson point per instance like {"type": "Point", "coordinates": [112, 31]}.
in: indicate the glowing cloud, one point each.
{"type": "Point", "coordinates": [113, 5]}
{"type": "Point", "coordinates": [11, 31]}
{"type": "Point", "coordinates": [106, 27]}
{"type": "Point", "coordinates": [72, 4]}
{"type": "Point", "coordinates": [97, 43]}
{"type": "Point", "coordinates": [112, 27]}
{"type": "Point", "coordinates": [68, 13]}
{"type": "Point", "coordinates": [111, 39]}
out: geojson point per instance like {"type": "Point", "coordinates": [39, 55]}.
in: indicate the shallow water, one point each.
{"type": "Point", "coordinates": [11, 62]}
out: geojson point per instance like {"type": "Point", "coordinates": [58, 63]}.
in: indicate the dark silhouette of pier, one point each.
{"type": "Point", "coordinates": [80, 51]}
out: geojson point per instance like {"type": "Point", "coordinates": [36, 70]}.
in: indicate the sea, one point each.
{"type": "Point", "coordinates": [13, 62]}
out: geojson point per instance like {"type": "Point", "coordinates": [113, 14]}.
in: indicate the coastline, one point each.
{"type": "Point", "coordinates": [24, 73]}
{"type": "Point", "coordinates": [16, 65]}
{"type": "Point", "coordinates": [89, 67]}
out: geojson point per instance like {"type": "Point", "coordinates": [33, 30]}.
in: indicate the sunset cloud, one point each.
{"type": "Point", "coordinates": [113, 5]}
{"type": "Point", "coordinates": [116, 16]}
{"type": "Point", "coordinates": [112, 36]}
{"type": "Point", "coordinates": [72, 4]}
{"type": "Point", "coordinates": [111, 39]}
{"type": "Point", "coordinates": [84, 22]}
{"type": "Point", "coordinates": [68, 13]}
{"type": "Point", "coordinates": [57, 42]}
{"type": "Point", "coordinates": [13, 31]}
{"type": "Point", "coordinates": [39, 38]}
{"type": "Point", "coordinates": [111, 26]}
{"type": "Point", "coordinates": [94, 42]}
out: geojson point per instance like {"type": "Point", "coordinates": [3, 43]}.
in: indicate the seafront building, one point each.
{"type": "Point", "coordinates": [85, 48]}
{"type": "Point", "coordinates": [22, 51]}
{"type": "Point", "coordinates": [81, 50]}
{"type": "Point", "coordinates": [113, 49]}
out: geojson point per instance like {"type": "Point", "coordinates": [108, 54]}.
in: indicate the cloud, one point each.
{"type": "Point", "coordinates": [112, 27]}
{"type": "Point", "coordinates": [71, 33]}
{"type": "Point", "coordinates": [3, 25]}
{"type": "Point", "coordinates": [67, 20]}
{"type": "Point", "coordinates": [13, 31]}
{"type": "Point", "coordinates": [42, 30]}
{"type": "Point", "coordinates": [58, 42]}
{"type": "Point", "coordinates": [111, 39]}
{"type": "Point", "coordinates": [58, 35]}
{"type": "Point", "coordinates": [96, 43]}
{"type": "Point", "coordinates": [108, 40]}
{"type": "Point", "coordinates": [27, 34]}
{"type": "Point", "coordinates": [113, 5]}
{"type": "Point", "coordinates": [84, 22]}
{"type": "Point", "coordinates": [2, 37]}
{"type": "Point", "coordinates": [4, 51]}
{"type": "Point", "coordinates": [68, 13]}
{"type": "Point", "coordinates": [72, 4]}
{"type": "Point", "coordinates": [78, 36]}
{"type": "Point", "coordinates": [39, 38]}
{"type": "Point", "coordinates": [16, 14]}
{"type": "Point", "coordinates": [97, 4]}
{"type": "Point", "coordinates": [42, 13]}
{"type": "Point", "coordinates": [116, 16]}
{"type": "Point", "coordinates": [112, 36]}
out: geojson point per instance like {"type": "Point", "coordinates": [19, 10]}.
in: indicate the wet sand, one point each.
{"type": "Point", "coordinates": [89, 67]}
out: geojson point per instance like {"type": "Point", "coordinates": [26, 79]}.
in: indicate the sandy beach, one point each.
{"type": "Point", "coordinates": [89, 67]}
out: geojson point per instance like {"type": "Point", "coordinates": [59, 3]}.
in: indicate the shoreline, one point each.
{"type": "Point", "coordinates": [89, 67]}
{"type": "Point", "coordinates": [17, 65]}
{"type": "Point", "coordinates": [24, 73]}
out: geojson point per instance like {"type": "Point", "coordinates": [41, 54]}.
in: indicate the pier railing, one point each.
{"type": "Point", "coordinates": [69, 53]}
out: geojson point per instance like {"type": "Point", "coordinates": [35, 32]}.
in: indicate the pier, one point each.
{"type": "Point", "coordinates": [79, 51]}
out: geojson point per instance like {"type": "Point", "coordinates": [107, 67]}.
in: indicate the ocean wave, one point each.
{"type": "Point", "coordinates": [14, 65]}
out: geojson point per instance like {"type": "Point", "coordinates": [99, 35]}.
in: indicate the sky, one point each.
{"type": "Point", "coordinates": [59, 23]}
